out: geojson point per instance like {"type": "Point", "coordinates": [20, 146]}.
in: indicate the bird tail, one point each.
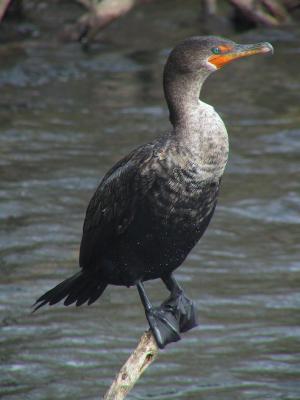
{"type": "Point", "coordinates": [79, 288]}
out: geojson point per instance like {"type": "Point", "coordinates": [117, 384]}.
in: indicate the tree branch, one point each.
{"type": "Point", "coordinates": [100, 13]}
{"type": "Point", "coordinates": [144, 354]}
{"type": "Point", "coordinates": [3, 6]}
{"type": "Point", "coordinates": [272, 14]}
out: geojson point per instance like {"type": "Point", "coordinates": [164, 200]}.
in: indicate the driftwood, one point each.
{"type": "Point", "coordinates": [144, 354]}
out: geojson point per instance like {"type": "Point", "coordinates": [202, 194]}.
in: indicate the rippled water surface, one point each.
{"type": "Point", "coordinates": [66, 117]}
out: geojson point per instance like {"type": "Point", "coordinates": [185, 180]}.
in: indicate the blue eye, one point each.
{"type": "Point", "coordinates": [216, 50]}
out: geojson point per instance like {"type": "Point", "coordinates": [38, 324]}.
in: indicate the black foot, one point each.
{"type": "Point", "coordinates": [164, 325]}
{"type": "Point", "coordinates": [183, 308]}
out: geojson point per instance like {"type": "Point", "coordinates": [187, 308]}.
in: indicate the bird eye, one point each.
{"type": "Point", "coordinates": [216, 50]}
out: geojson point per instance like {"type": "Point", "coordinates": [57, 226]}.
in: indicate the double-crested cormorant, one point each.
{"type": "Point", "coordinates": [154, 205]}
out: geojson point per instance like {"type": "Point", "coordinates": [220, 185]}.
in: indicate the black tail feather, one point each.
{"type": "Point", "coordinates": [96, 294]}
{"type": "Point", "coordinates": [79, 288]}
{"type": "Point", "coordinates": [85, 295]}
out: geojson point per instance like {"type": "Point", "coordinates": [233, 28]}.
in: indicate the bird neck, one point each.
{"type": "Point", "coordinates": [182, 92]}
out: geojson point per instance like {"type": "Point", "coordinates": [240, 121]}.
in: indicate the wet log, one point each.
{"type": "Point", "coordinates": [143, 356]}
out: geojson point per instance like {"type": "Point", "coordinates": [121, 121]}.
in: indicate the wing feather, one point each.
{"type": "Point", "coordinates": [113, 205]}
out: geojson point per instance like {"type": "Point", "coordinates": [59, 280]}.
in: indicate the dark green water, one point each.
{"type": "Point", "coordinates": [66, 117]}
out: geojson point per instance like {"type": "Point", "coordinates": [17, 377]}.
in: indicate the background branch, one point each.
{"type": "Point", "coordinates": [3, 6]}
{"type": "Point", "coordinates": [100, 13]}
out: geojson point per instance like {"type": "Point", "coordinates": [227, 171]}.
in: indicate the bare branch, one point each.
{"type": "Point", "coordinates": [253, 12]}
{"type": "Point", "coordinates": [144, 354]}
{"type": "Point", "coordinates": [100, 13]}
{"type": "Point", "coordinates": [3, 7]}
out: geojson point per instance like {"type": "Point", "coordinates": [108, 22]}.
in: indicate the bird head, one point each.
{"type": "Point", "coordinates": [209, 53]}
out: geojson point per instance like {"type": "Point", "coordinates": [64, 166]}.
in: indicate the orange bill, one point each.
{"type": "Point", "coordinates": [239, 51]}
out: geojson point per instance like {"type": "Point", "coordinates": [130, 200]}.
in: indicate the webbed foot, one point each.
{"type": "Point", "coordinates": [164, 325]}
{"type": "Point", "coordinates": [184, 310]}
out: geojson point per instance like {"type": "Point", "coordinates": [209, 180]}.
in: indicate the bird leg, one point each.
{"type": "Point", "coordinates": [180, 305]}
{"type": "Point", "coordinates": [162, 320]}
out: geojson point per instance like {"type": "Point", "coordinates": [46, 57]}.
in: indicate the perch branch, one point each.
{"type": "Point", "coordinates": [144, 354]}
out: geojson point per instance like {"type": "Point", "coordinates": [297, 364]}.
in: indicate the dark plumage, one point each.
{"type": "Point", "coordinates": [154, 205]}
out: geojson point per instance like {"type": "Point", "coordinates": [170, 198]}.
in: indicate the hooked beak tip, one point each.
{"type": "Point", "coordinates": [267, 48]}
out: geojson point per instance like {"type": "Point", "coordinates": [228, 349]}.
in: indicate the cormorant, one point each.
{"type": "Point", "coordinates": [154, 205]}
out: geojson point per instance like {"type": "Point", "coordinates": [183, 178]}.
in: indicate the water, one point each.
{"type": "Point", "coordinates": [67, 116]}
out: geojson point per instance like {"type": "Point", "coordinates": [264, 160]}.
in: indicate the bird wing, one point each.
{"type": "Point", "coordinates": [113, 205]}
